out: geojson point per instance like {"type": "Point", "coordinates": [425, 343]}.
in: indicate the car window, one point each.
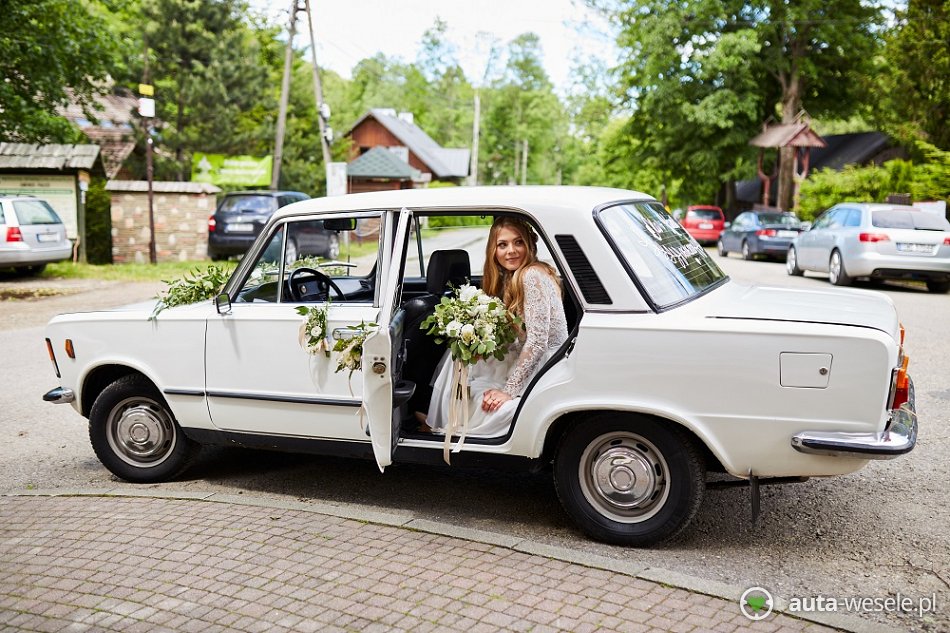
{"type": "Point", "coordinates": [669, 265]}
{"type": "Point", "coordinates": [822, 220]}
{"type": "Point", "coordinates": [854, 218]}
{"type": "Point", "coordinates": [705, 214]}
{"type": "Point", "coordinates": [901, 219]}
{"type": "Point", "coordinates": [837, 218]}
{"type": "Point", "coordinates": [35, 212]}
{"type": "Point", "coordinates": [464, 232]}
{"type": "Point", "coordinates": [788, 219]}
{"type": "Point", "coordinates": [347, 257]}
{"type": "Point", "coordinates": [249, 204]}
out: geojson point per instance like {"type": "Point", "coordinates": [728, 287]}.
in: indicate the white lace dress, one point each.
{"type": "Point", "coordinates": [545, 331]}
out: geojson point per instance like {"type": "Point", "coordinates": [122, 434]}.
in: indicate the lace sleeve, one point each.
{"type": "Point", "coordinates": [539, 293]}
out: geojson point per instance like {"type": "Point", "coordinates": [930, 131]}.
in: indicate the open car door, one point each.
{"type": "Point", "coordinates": [380, 349]}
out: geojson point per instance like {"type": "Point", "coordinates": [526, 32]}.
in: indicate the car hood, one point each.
{"type": "Point", "coordinates": [857, 308]}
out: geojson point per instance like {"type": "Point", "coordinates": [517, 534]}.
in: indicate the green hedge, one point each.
{"type": "Point", "coordinates": [451, 221]}
{"type": "Point", "coordinates": [98, 223]}
{"type": "Point", "coordinates": [923, 181]}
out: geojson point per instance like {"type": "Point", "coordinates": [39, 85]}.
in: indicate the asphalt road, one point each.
{"type": "Point", "coordinates": [876, 533]}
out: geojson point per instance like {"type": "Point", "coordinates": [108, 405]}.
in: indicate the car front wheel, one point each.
{"type": "Point", "coordinates": [720, 249]}
{"type": "Point", "coordinates": [836, 272]}
{"type": "Point", "coordinates": [135, 435]}
{"type": "Point", "coordinates": [629, 480]}
{"type": "Point", "coordinates": [746, 251]}
{"type": "Point", "coordinates": [791, 263]}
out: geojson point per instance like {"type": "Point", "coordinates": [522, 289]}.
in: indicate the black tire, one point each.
{"type": "Point", "coordinates": [719, 249]}
{"type": "Point", "coordinates": [661, 477]}
{"type": "Point", "coordinates": [747, 253]}
{"type": "Point", "coordinates": [292, 253]}
{"type": "Point", "coordinates": [791, 263]}
{"type": "Point", "coordinates": [135, 435]}
{"type": "Point", "coordinates": [30, 270]}
{"type": "Point", "coordinates": [939, 287]}
{"type": "Point", "coordinates": [837, 274]}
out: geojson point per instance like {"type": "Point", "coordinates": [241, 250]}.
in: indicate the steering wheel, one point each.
{"type": "Point", "coordinates": [323, 282]}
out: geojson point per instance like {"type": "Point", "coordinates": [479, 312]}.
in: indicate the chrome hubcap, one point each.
{"type": "Point", "coordinates": [790, 260]}
{"type": "Point", "coordinates": [141, 432]}
{"type": "Point", "coordinates": [835, 268]}
{"type": "Point", "coordinates": [624, 477]}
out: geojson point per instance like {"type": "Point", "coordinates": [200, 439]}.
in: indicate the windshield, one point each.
{"type": "Point", "coordinates": [788, 219]}
{"type": "Point", "coordinates": [668, 263]}
{"type": "Point", "coordinates": [901, 219]}
{"type": "Point", "coordinates": [248, 204]}
{"type": "Point", "coordinates": [705, 214]}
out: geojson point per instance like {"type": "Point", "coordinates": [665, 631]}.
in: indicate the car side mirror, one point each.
{"type": "Point", "coordinates": [726, 225]}
{"type": "Point", "coordinates": [805, 226]}
{"type": "Point", "coordinates": [222, 303]}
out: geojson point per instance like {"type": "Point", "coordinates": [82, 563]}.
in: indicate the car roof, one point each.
{"type": "Point", "coordinates": [881, 206]}
{"type": "Point", "coordinates": [261, 192]}
{"type": "Point", "coordinates": [562, 199]}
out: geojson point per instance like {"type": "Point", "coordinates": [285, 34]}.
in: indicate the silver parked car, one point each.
{"type": "Point", "coordinates": [875, 241]}
{"type": "Point", "coordinates": [31, 234]}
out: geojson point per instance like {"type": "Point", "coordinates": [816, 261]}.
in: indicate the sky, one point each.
{"type": "Point", "coordinates": [350, 30]}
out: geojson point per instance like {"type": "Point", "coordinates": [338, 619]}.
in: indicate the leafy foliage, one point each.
{"type": "Point", "coordinates": [197, 285]}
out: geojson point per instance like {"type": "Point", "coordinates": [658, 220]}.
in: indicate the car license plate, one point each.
{"type": "Point", "coordinates": [907, 247]}
{"type": "Point", "coordinates": [787, 233]}
{"type": "Point", "coordinates": [46, 237]}
{"type": "Point", "coordinates": [239, 227]}
{"type": "Point", "coordinates": [705, 225]}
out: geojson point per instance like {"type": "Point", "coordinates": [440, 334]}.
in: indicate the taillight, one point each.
{"type": "Point", "coordinates": [946, 241]}
{"type": "Point", "coordinates": [211, 224]}
{"type": "Point", "coordinates": [767, 232]}
{"type": "Point", "coordinates": [14, 234]}
{"type": "Point", "coordinates": [874, 237]}
{"type": "Point", "coordinates": [52, 356]}
{"type": "Point", "coordinates": [902, 385]}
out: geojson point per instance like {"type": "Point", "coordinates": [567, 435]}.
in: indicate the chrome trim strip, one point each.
{"type": "Point", "coordinates": [184, 392]}
{"type": "Point", "coordinates": [244, 395]}
{"type": "Point", "coordinates": [898, 438]}
{"type": "Point", "coordinates": [60, 395]}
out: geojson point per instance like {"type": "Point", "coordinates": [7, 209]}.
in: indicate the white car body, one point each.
{"type": "Point", "coordinates": [782, 382]}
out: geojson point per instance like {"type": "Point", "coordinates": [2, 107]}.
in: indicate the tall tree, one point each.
{"type": "Point", "coordinates": [51, 52]}
{"type": "Point", "coordinates": [913, 100]}
{"type": "Point", "coordinates": [699, 76]}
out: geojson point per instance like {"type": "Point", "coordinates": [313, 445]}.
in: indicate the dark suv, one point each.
{"type": "Point", "coordinates": [240, 217]}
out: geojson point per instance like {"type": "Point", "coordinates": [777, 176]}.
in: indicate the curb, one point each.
{"type": "Point", "coordinates": [677, 580]}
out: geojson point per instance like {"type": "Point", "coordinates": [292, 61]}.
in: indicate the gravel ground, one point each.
{"type": "Point", "coordinates": [879, 532]}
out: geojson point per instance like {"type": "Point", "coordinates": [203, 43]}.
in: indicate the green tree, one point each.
{"type": "Point", "coordinates": [913, 96]}
{"type": "Point", "coordinates": [51, 52]}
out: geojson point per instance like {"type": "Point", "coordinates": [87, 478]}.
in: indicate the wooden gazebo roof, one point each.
{"type": "Point", "coordinates": [788, 135]}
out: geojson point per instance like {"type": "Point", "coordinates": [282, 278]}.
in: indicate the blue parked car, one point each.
{"type": "Point", "coordinates": [760, 233]}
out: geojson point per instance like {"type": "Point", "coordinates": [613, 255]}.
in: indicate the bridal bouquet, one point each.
{"type": "Point", "coordinates": [477, 326]}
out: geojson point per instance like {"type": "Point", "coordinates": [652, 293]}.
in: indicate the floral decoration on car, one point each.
{"type": "Point", "coordinates": [314, 336]}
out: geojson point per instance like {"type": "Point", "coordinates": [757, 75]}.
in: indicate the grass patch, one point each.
{"type": "Point", "coordinates": [128, 272]}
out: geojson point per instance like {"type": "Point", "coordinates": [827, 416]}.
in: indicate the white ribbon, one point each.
{"type": "Point", "coordinates": [459, 410]}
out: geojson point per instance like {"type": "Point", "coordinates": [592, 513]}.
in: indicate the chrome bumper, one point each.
{"type": "Point", "coordinates": [898, 438]}
{"type": "Point", "coordinates": [59, 395]}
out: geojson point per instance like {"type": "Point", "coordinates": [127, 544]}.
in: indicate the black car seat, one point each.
{"type": "Point", "coordinates": [422, 352]}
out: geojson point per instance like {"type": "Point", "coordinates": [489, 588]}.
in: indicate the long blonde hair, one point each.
{"type": "Point", "coordinates": [500, 282]}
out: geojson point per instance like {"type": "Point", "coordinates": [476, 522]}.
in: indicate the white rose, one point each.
{"type": "Point", "coordinates": [316, 332]}
{"type": "Point", "coordinates": [468, 292]}
{"type": "Point", "coordinates": [484, 299]}
{"type": "Point", "coordinates": [452, 329]}
{"type": "Point", "coordinates": [468, 332]}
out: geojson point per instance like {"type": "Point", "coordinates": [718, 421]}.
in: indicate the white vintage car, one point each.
{"type": "Point", "coordinates": [822, 373]}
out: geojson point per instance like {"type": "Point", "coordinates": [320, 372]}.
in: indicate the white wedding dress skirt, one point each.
{"type": "Point", "coordinates": [482, 376]}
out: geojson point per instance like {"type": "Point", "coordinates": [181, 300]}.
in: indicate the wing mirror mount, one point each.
{"type": "Point", "coordinates": [805, 226]}
{"type": "Point", "coordinates": [222, 303]}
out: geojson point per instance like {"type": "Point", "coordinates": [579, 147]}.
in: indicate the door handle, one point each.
{"type": "Point", "coordinates": [344, 334]}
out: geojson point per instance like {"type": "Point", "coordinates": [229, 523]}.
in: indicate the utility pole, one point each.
{"type": "Point", "coordinates": [147, 111]}
{"type": "Point", "coordinates": [323, 110]}
{"type": "Point", "coordinates": [473, 178]}
{"type": "Point", "coordinates": [284, 98]}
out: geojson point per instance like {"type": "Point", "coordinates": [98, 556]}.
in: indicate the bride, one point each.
{"type": "Point", "coordinates": [531, 290]}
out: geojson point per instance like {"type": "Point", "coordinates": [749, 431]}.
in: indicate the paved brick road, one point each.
{"type": "Point", "coordinates": [153, 564]}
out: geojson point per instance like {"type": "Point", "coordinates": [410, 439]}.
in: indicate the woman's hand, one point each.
{"type": "Point", "coordinates": [493, 398]}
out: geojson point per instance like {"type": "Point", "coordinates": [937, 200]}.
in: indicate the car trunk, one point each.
{"type": "Point", "coordinates": [39, 227]}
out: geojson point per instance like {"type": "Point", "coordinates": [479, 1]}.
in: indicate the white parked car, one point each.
{"type": "Point", "coordinates": [877, 241]}
{"type": "Point", "coordinates": [823, 372]}
{"type": "Point", "coordinates": [31, 234]}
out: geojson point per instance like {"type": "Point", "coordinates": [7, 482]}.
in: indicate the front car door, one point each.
{"type": "Point", "coordinates": [259, 379]}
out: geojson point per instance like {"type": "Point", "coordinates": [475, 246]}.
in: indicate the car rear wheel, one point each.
{"type": "Point", "coordinates": [629, 480]}
{"type": "Point", "coordinates": [940, 287]}
{"type": "Point", "coordinates": [791, 263]}
{"type": "Point", "coordinates": [746, 251]}
{"type": "Point", "coordinates": [135, 435]}
{"type": "Point", "coordinates": [290, 255]}
{"type": "Point", "coordinates": [837, 275]}
{"type": "Point", "coordinates": [720, 249]}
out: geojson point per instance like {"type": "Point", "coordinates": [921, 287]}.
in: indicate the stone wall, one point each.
{"type": "Point", "coordinates": [181, 221]}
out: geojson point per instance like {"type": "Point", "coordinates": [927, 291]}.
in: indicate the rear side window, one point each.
{"type": "Point", "coordinates": [900, 219]}
{"type": "Point", "coordinates": [35, 212]}
{"type": "Point", "coordinates": [249, 204]}
{"type": "Point", "coordinates": [705, 214]}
